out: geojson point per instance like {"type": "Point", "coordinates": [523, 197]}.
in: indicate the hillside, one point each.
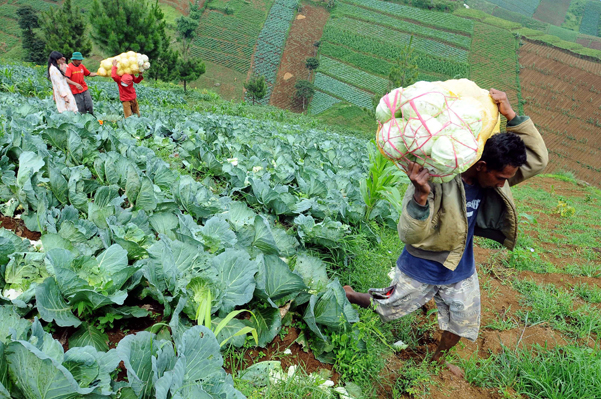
{"type": "Point", "coordinates": [128, 221]}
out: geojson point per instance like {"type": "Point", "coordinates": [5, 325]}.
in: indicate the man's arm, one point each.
{"type": "Point", "coordinates": [86, 72]}
{"type": "Point", "coordinates": [537, 155]}
{"type": "Point", "coordinates": [414, 224]}
{"type": "Point", "coordinates": [114, 75]}
{"type": "Point", "coordinates": [138, 79]}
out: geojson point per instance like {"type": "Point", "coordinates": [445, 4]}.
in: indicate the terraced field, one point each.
{"type": "Point", "coordinates": [363, 38]}
{"type": "Point", "coordinates": [229, 40]}
{"type": "Point", "coordinates": [561, 94]}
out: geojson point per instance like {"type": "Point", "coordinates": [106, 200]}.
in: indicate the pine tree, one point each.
{"type": "Point", "coordinates": [304, 91]}
{"type": "Point", "coordinates": [32, 44]}
{"type": "Point", "coordinates": [124, 25]}
{"type": "Point", "coordinates": [311, 64]}
{"type": "Point", "coordinates": [189, 70]}
{"type": "Point", "coordinates": [256, 88]}
{"type": "Point", "coordinates": [64, 30]}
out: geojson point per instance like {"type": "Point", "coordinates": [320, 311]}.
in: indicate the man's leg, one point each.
{"type": "Point", "coordinates": [127, 109]}
{"type": "Point", "coordinates": [80, 102]}
{"type": "Point", "coordinates": [89, 105]}
{"type": "Point", "coordinates": [134, 107]}
{"type": "Point", "coordinates": [357, 298]}
{"type": "Point", "coordinates": [405, 295]}
{"type": "Point", "coordinates": [458, 316]}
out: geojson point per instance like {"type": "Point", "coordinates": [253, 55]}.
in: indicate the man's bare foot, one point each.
{"type": "Point", "coordinates": [358, 298]}
{"type": "Point", "coordinates": [456, 371]}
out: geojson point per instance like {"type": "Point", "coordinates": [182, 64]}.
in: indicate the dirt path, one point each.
{"type": "Point", "coordinates": [306, 29]}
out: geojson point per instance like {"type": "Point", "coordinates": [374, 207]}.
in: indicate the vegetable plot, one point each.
{"type": "Point", "coordinates": [119, 225]}
{"type": "Point", "coordinates": [271, 41]}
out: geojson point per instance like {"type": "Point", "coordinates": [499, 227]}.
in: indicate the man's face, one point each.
{"type": "Point", "coordinates": [76, 62]}
{"type": "Point", "coordinates": [488, 178]}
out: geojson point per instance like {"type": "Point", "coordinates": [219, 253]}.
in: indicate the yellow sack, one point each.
{"type": "Point", "coordinates": [491, 120]}
{"type": "Point", "coordinates": [130, 62]}
{"type": "Point", "coordinates": [440, 125]}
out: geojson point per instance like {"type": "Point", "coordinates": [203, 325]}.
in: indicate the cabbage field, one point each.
{"type": "Point", "coordinates": [236, 214]}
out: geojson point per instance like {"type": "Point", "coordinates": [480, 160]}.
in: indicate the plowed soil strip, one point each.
{"type": "Point", "coordinates": [299, 46]}
{"type": "Point", "coordinates": [562, 94]}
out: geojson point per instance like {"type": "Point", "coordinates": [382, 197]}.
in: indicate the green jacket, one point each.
{"type": "Point", "coordinates": [438, 230]}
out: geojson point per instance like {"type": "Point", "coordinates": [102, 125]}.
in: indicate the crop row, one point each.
{"type": "Point", "coordinates": [224, 47]}
{"type": "Point", "coordinates": [10, 26]}
{"type": "Point", "coordinates": [342, 90]}
{"type": "Point", "coordinates": [426, 62]}
{"type": "Point", "coordinates": [524, 7]}
{"type": "Point", "coordinates": [365, 62]}
{"type": "Point", "coordinates": [351, 75]}
{"type": "Point", "coordinates": [362, 30]}
{"type": "Point", "coordinates": [239, 25]}
{"type": "Point", "coordinates": [590, 18]}
{"type": "Point", "coordinates": [222, 33]}
{"type": "Point", "coordinates": [373, 17]}
{"type": "Point", "coordinates": [271, 42]}
{"type": "Point", "coordinates": [493, 59]}
{"type": "Point", "coordinates": [321, 102]}
{"type": "Point", "coordinates": [227, 60]}
{"type": "Point", "coordinates": [432, 18]}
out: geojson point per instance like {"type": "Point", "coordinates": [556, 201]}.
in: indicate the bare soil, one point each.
{"type": "Point", "coordinates": [299, 46]}
{"type": "Point", "coordinates": [552, 11]}
{"type": "Point", "coordinates": [562, 98]}
{"type": "Point", "coordinates": [299, 356]}
{"type": "Point", "coordinates": [18, 227]}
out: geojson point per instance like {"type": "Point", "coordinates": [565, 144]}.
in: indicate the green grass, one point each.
{"type": "Point", "coordinates": [346, 117]}
{"type": "Point", "coordinates": [588, 292]}
{"type": "Point", "coordinates": [556, 307]}
{"type": "Point", "coordinates": [567, 372]}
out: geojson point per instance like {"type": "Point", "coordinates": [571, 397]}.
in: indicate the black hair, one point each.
{"type": "Point", "coordinates": [504, 149]}
{"type": "Point", "coordinates": [54, 56]}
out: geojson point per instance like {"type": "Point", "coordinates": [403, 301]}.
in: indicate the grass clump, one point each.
{"type": "Point", "coordinates": [589, 293]}
{"type": "Point", "coordinates": [555, 306]}
{"type": "Point", "coordinates": [568, 372]}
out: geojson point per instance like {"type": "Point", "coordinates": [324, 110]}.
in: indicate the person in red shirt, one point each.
{"type": "Point", "coordinates": [76, 72]}
{"type": "Point", "coordinates": [127, 92]}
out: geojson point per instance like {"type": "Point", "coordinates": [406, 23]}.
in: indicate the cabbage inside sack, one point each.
{"type": "Point", "coordinates": [431, 126]}
{"type": "Point", "coordinates": [131, 63]}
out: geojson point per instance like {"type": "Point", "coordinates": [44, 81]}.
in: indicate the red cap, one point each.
{"type": "Point", "coordinates": [127, 79]}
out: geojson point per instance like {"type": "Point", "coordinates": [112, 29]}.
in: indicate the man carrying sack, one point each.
{"type": "Point", "coordinates": [127, 92]}
{"type": "Point", "coordinates": [438, 223]}
{"type": "Point", "coordinates": [76, 72]}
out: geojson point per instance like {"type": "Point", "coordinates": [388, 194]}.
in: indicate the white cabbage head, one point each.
{"type": "Point", "coordinates": [388, 103]}
{"type": "Point", "coordinates": [466, 112]}
{"type": "Point", "coordinates": [427, 98]}
{"type": "Point", "coordinates": [390, 139]}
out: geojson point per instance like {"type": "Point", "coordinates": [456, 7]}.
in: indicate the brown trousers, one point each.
{"type": "Point", "coordinates": [130, 108]}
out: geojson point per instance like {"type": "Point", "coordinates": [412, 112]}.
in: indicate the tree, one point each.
{"type": "Point", "coordinates": [32, 44]}
{"type": "Point", "coordinates": [304, 91]}
{"type": "Point", "coordinates": [311, 64]}
{"type": "Point", "coordinates": [124, 25]}
{"type": "Point", "coordinates": [64, 30]}
{"type": "Point", "coordinates": [256, 88]}
{"type": "Point", "coordinates": [186, 32]}
{"type": "Point", "coordinates": [405, 72]}
{"type": "Point", "coordinates": [189, 70]}
{"type": "Point", "coordinates": [316, 47]}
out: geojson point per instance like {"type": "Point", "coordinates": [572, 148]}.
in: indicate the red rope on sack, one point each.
{"type": "Point", "coordinates": [417, 152]}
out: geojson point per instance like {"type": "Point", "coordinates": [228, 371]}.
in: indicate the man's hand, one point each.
{"type": "Point", "coordinates": [115, 62]}
{"type": "Point", "coordinates": [92, 74]}
{"type": "Point", "coordinates": [79, 87]}
{"type": "Point", "coordinates": [419, 176]}
{"type": "Point", "coordinates": [500, 98]}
